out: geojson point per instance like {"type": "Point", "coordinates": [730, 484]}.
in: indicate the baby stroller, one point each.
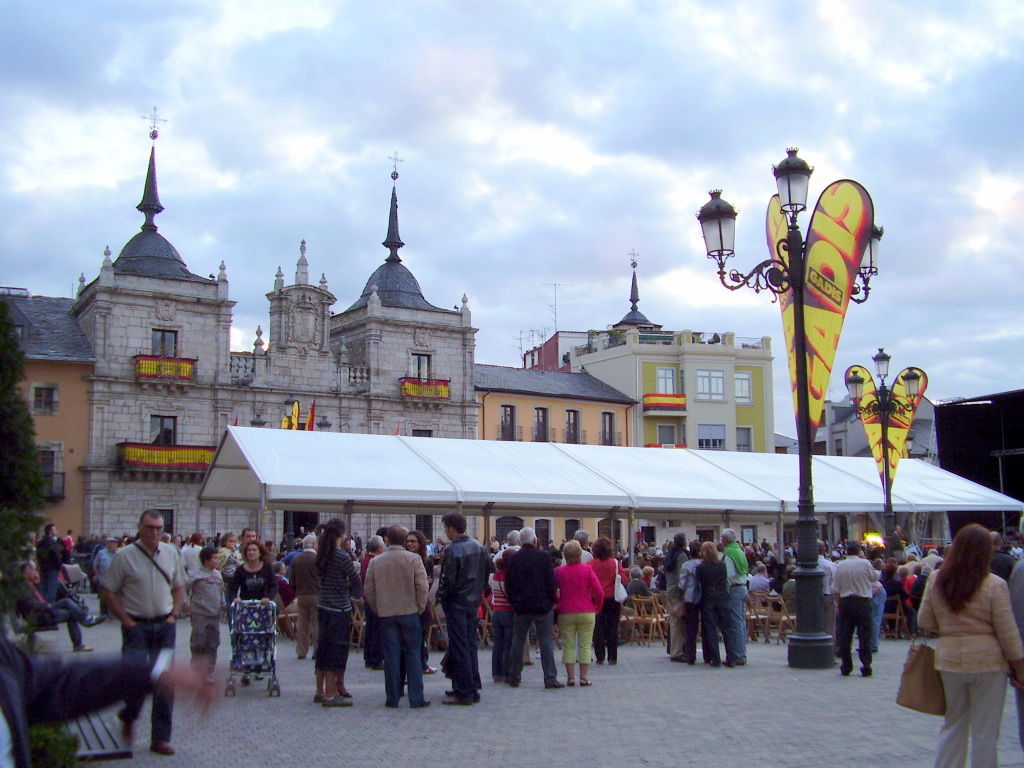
{"type": "Point", "coordinates": [253, 628]}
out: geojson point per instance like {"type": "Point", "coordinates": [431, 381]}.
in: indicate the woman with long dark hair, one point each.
{"type": "Point", "coordinates": [338, 579]}
{"type": "Point", "coordinates": [676, 607]}
{"type": "Point", "coordinates": [978, 645]}
{"type": "Point", "coordinates": [606, 625]}
{"type": "Point", "coordinates": [416, 542]}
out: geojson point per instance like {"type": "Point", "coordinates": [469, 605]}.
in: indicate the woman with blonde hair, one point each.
{"type": "Point", "coordinates": [714, 603]}
{"type": "Point", "coordinates": [978, 645]}
{"type": "Point", "coordinates": [580, 597]}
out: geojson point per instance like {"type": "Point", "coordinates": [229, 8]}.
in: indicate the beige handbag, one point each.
{"type": "Point", "coordinates": [921, 684]}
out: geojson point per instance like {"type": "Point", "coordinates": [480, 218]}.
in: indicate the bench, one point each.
{"type": "Point", "coordinates": [99, 737]}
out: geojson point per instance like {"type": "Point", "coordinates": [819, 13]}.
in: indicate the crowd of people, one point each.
{"type": "Point", "coordinates": [570, 596]}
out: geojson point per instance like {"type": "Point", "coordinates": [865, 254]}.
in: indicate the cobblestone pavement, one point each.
{"type": "Point", "coordinates": [646, 711]}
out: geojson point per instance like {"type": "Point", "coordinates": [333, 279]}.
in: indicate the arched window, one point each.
{"type": "Point", "coordinates": [505, 524]}
{"type": "Point", "coordinates": [542, 527]}
{"type": "Point", "coordinates": [604, 528]}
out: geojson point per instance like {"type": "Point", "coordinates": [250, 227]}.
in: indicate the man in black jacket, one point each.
{"type": "Point", "coordinates": [531, 589]}
{"type": "Point", "coordinates": [464, 573]}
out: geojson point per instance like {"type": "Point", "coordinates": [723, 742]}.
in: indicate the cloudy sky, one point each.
{"type": "Point", "coordinates": [542, 141]}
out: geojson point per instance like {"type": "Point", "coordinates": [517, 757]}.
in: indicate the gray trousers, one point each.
{"type": "Point", "coordinates": [543, 624]}
{"type": "Point", "coordinates": [974, 707]}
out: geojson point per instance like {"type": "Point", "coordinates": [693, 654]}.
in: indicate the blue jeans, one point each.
{"type": "Point", "coordinates": [501, 626]}
{"type": "Point", "coordinates": [50, 581]}
{"type": "Point", "coordinates": [877, 609]}
{"type": "Point", "coordinates": [373, 643]}
{"type": "Point", "coordinates": [67, 610]}
{"type": "Point", "coordinates": [736, 650]}
{"type": "Point", "coordinates": [543, 623]}
{"type": "Point", "coordinates": [462, 659]}
{"type": "Point", "coordinates": [403, 640]}
{"type": "Point", "coordinates": [143, 642]}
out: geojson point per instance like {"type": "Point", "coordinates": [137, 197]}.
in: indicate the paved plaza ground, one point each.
{"type": "Point", "coordinates": [646, 711]}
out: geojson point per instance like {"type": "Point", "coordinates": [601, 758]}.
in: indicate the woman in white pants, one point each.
{"type": "Point", "coordinates": [978, 646]}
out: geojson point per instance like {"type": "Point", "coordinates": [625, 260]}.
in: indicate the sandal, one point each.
{"type": "Point", "coordinates": [584, 683]}
{"type": "Point", "coordinates": [571, 681]}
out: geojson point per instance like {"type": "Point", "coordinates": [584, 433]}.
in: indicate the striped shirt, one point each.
{"type": "Point", "coordinates": [337, 581]}
{"type": "Point", "coordinates": [499, 600]}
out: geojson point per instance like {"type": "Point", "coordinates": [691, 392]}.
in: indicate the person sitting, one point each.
{"type": "Point", "coordinates": [647, 575]}
{"type": "Point", "coordinates": [760, 582]}
{"type": "Point", "coordinates": [637, 585]}
{"type": "Point", "coordinates": [32, 607]}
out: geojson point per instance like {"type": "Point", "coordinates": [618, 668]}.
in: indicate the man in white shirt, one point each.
{"type": "Point", "coordinates": [852, 585]}
{"type": "Point", "coordinates": [828, 568]}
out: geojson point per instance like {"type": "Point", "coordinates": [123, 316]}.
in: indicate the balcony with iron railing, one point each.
{"type": "Point", "coordinates": [53, 486]}
{"type": "Point", "coordinates": [144, 460]}
{"type": "Point", "coordinates": [611, 438]}
{"type": "Point", "coordinates": [664, 445]}
{"type": "Point", "coordinates": [509, 432]}
{"type": "Point", "coordinates": [602, 340]}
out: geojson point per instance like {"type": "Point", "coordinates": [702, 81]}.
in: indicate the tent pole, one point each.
{"type": "Point", "coordinates": [613, 528]}
{"type": "Point", "coordinates": [779, 535]}
{"type": "Point", "coordinates": [349, 505]}
{"type": "Point", "coordinates": [487, 523]}
{"type": "Point", "coordinates": [631, 536]}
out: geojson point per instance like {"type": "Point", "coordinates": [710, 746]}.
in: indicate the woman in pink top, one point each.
{"type": "Point", "coordinates": [580, 597]}
{"type": "Point", "coordinates": [606, 627]}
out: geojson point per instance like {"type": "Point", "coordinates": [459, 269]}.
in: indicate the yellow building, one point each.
{"type": "Point", "coordinates": [58, 363]}
{"type": "Point", "coordinates": [550, 406]}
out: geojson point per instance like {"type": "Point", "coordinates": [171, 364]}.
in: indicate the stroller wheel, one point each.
{"type": "Point", "coordinates": [274, 689]}
{"type": "Point", "coordinates": [245, 679]}
{"type": "Point", "coordinates": [229, 691]}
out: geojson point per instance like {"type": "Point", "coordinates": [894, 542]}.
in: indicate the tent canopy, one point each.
{"type": "Point", "coordinates": [336, 472]}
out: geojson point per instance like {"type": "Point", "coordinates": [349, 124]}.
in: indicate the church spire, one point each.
{"type": "Point", "coordinates": [150, 205]}
{"type": "Point", "coordinates": [393, 242]}
{"type": "Point", "coordinates": [634, 317]}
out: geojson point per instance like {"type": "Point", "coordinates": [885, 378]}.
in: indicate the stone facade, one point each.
{"type": "Point", "coordinates": [166, 383]}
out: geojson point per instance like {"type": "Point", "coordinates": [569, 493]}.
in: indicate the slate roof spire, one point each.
{"type": "Point", "coordinates": [634, 316]}
{"type": "Point", "coordinates": [150, 205]}
{"type": "Point", "coordinates": [393, 241]}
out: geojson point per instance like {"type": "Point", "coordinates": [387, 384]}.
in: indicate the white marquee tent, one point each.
{"type": "Point", "coordinates": [341, 472]}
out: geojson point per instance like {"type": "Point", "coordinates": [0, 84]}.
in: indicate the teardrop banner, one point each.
{"type": "Point", "coordinates": [776, 228]}
{"type": "Point", "coordinates": [837, 239]}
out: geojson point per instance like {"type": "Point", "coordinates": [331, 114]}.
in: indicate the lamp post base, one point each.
{"type": "Point", "coordinates": [810, 651]}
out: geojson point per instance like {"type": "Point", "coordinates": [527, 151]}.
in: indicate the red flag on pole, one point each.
{"type": "Point", "coordinates": [236, 422]}
{"type": "Point", "coordinates": [309, 418]}
{"type": "Point", "coordinates": [398, 428]}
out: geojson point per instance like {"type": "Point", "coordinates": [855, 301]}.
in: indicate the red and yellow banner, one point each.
{"type": "Point", "coordinates": [837, 239]}
{"type": "Point", "coordinates": [180, 457]}
{"type": "Point", "coordinates": [899, 422]}
{"type": "Point", "coordinates": [437, 389]}
{"type": "Point", "coordinates": [654, 402]}
{"type": "Point", "coordinates": [155, 367]}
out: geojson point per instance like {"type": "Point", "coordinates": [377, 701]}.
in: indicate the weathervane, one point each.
{"type": "Point", "coordinates": [154, 124]}
{"type": "Point", "coordinates": [395, 160]}
{"type": "Point", "coordinates": [633, 257]}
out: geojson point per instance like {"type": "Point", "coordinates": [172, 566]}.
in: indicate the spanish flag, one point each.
{"type": "Point", "coordinates": [309, 417]}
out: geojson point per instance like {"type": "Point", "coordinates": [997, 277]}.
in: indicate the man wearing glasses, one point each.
{"type": "Point", "coordinates": [144, 587]}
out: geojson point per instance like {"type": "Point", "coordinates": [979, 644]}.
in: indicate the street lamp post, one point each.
{"type": "Point", "coordinates": [884, 406]}
{"type": "Point", "coordinates": [809, 647]}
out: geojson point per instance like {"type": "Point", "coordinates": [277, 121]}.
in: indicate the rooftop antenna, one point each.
{"type": "Point", "coordinates": [554, 306]}
{"type": "Point", "coordinates": [154, 124]}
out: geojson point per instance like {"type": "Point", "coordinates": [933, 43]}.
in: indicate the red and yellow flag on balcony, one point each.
{"type": "Point", "coordinates": [657, 402]}
{"type": "Point", "coordinates": [900, 422]}
{"type": "Point", "coordinates": [437, 389]}
{"type": "Point", "coordinates": [155, 367]}
{"type": "Point", "coordinates": [170, 457]}
{"type": "Point", "coordinates": [837, 238]}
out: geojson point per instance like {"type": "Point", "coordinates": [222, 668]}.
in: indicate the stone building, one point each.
{"type": "Point", "coordinates": [166, 383]}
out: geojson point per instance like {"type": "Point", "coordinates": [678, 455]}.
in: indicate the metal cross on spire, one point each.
{"type": "Point", "coordinates": [395, 160]}
{"type": "Point", "coordinates": [154, 124]}
{"type": "Point", "coordinates": [633, 255]}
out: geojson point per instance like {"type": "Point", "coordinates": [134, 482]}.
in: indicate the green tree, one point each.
{"type": "Point", "coordinates": [21, 476]}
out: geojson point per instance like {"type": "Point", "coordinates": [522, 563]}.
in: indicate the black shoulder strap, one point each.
{"type": "Point", "coordinates": [155, 565]}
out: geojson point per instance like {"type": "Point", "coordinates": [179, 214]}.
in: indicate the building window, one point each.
{"type": "Point", "coordinates": [742, 382]}
{"type": "Point", "coordinates": [425, 525]}
{"type": "Point", "coordinates": [572, 427]}
{"type": "Point", "coordinates": [542, 527]}
{"type": "Point", "coordinates": [540, 425]}
{"type": "Point", "coordinates": [571, 526]}
{"type": "Point", "coordinates": [423, 433]}
{"type": "Point", "coordinates": [665, 383]}
{"type": "Point", "coordinates": [44, 398]}
{"type": "Point", "coordinates": [608, 428]}
{"type": "Point", "coordinates": [507, 427]}
{"type": "Point", "coordinates": [163, 430]}
{"type": "Point", "coordinates": [419, 366]}
{"type": "Point", "coordinates": [667, 434]}
{"type": "Point", "coordinates": [745, 439]}
{"type": "Point", "coordinates": [50, 460]}
{"type": "Point", "coordinates": [748, 534]}
{"type": "Point", "coordinates": [505, 524]}
{"type": "Point", "coordinates": [839, 447]}
{"type": "Point", "coordinates": [710, 384]}
{"type": "Point", "coordinates": [711, 437]}
{"type": "Point", "coordinates": [707, 534]}
{"type": "Point", "coordinates": [165, 343]}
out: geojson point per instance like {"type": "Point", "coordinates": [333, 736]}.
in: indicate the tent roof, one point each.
{"type": "Point", "coordinates": [325, 470]}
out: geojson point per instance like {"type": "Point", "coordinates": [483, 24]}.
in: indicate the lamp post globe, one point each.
{"type": "Point", "coordinates": [792, 176]}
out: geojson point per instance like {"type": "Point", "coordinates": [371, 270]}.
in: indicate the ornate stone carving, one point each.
{"type": "Point", "coordinates": [165, 309]}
